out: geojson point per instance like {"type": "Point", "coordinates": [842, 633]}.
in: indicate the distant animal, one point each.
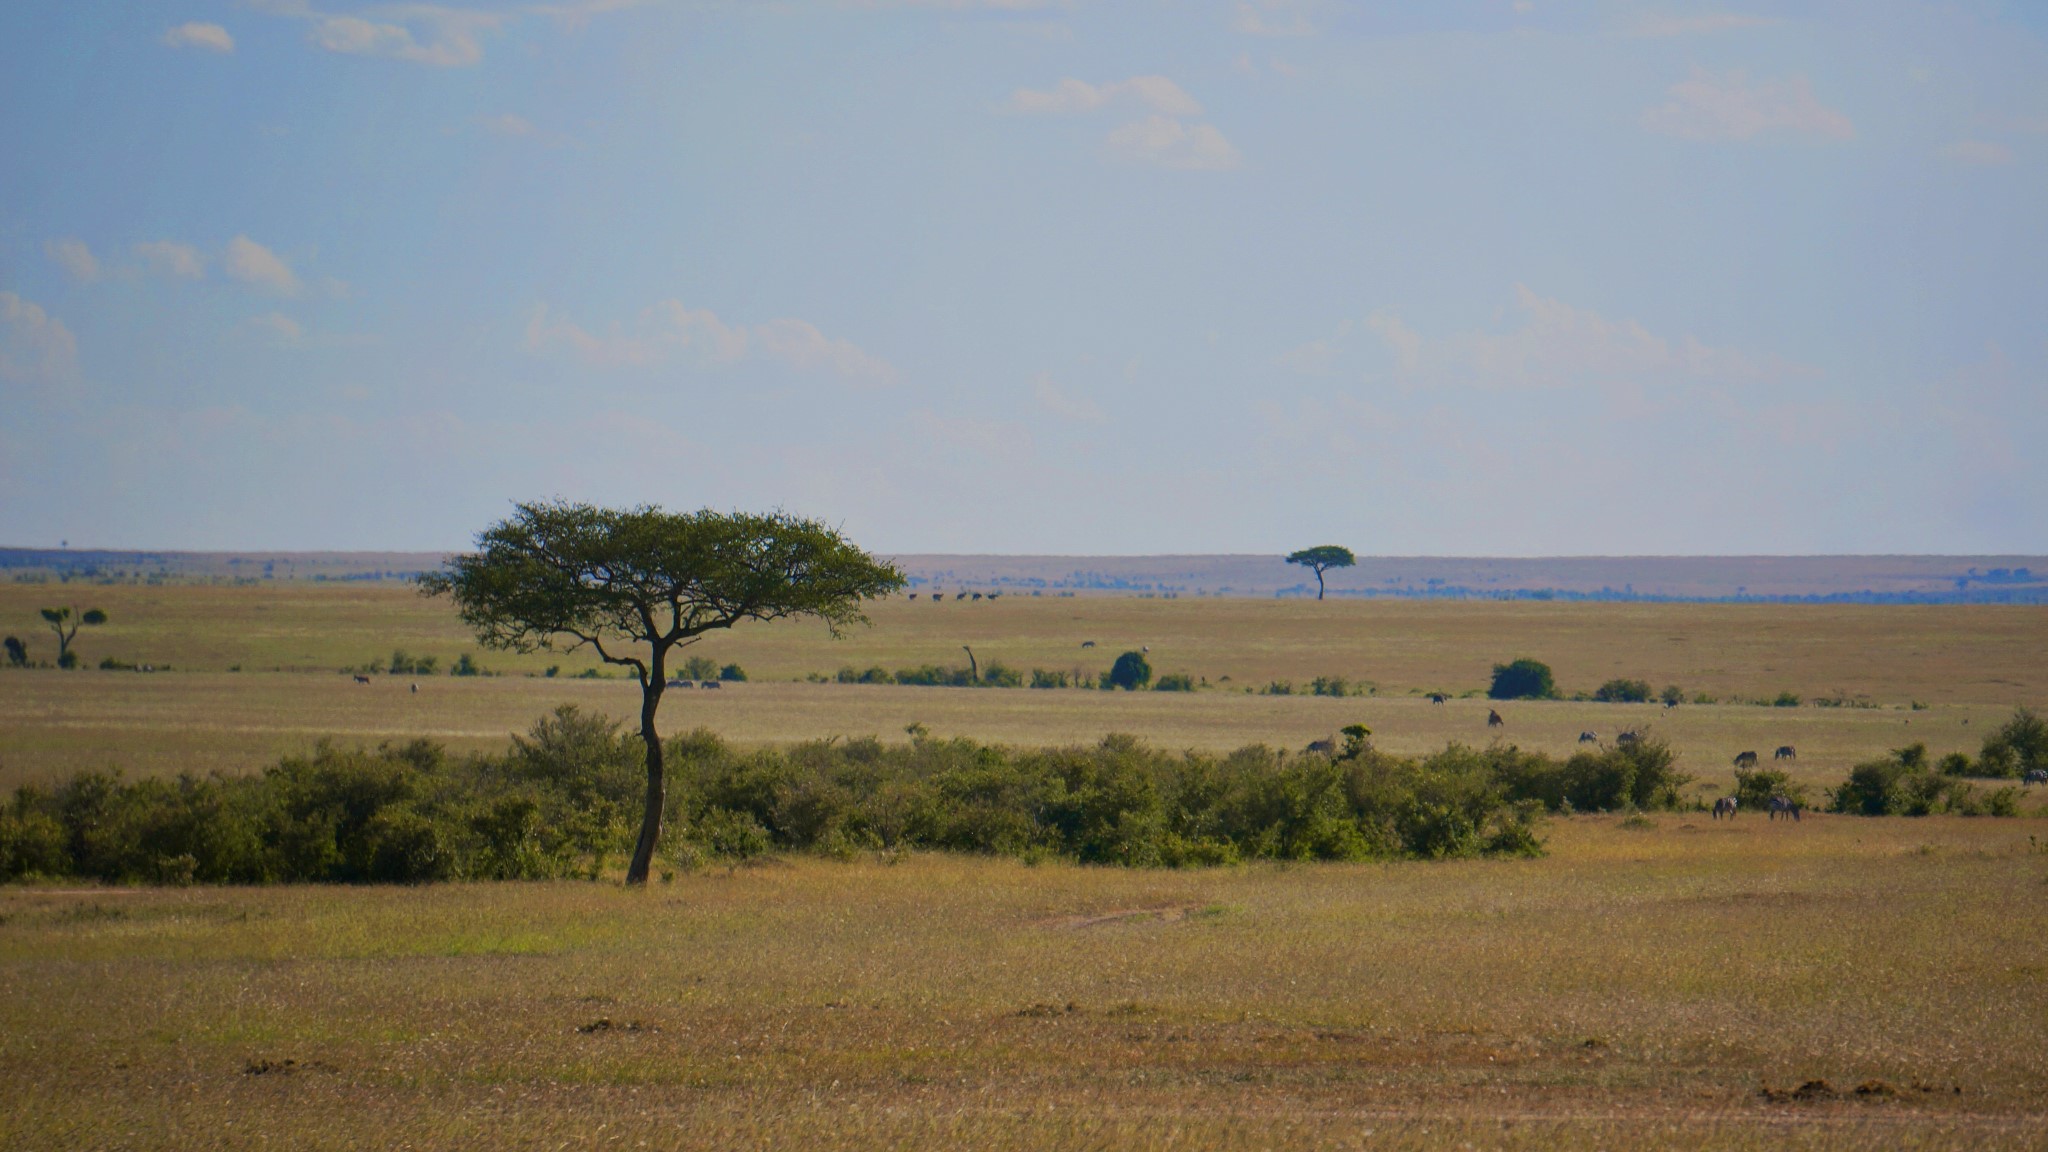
{"type": "Point", "coordinates": [1437, 697]}
{"type": "Point", "coordinates": [993, 595]}
{"type": "Point", "coordinates": [1746, 760]}
{"type": "Point", "coordinates": [680, 684]}
{"type": "Point", "coordinates": [977, 595]}
{"type": "Point", "coordinates": [913, 595]}
{"type": "Point", "coordinates": [1493, 719]}
{"type": "Point", "coordinates": [1087, 643]}
{"type": "Point", "coordinates": [1784, 806]}
{"type": "Point", "coordinates": [938, 596]}
{"type": "Point", "coordinates": [1785, 752]}
{"type": "Point", "coordinates": [1588, 738]}
{"type": "Point", "coordinates": [1628, 737]}
{"type": "Point", "coordinates": [1670, 704]}
{"type": "Point", "coordinates": [415, 689]}
{"type": "Point", "coordinates": [1326, 747]}
{"type": "Point", "coordinates": [360, 679]}
{"type": "Point", "coordinates": [2036, 776]}
{"type": "Point", "coordinates": [1144, 647]}
{"type": "Point", "coordinates": [711, 684]}
{"type": "Point", "coordinates": [1725, 806]}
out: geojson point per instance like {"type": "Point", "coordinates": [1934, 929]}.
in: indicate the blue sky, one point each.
{"type": "Point", "coordinates": [1483, 277]}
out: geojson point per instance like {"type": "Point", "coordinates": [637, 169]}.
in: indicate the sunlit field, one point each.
{"type": "Point", "coordinates": [1675, 984]}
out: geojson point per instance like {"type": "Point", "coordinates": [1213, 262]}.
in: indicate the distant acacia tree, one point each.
{"type": "Point", "coordinates": [1130, 672]}
{"type": "Point", "coordinates": [17, 652]}
{"type": "Point", "coordinates": [64, 622]}
{"type": "Point", "coordinates": [634, 584]}
{"type": "Point", "coordinates": [1322, 558]}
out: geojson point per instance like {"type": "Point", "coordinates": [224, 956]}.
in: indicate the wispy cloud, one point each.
{"type": "Point", "coordinates": [1983, 153]}
{"type": "Point", "coordinates": [279, 326]}
{"type": "Point", "coordinates": [671, 331]}
{"type": "Point", "coordinates": [1731, 106]}
{"type": "Point", "coordinates": [74, 257]}
{"type": "Point", "coordinates": [252, 263]}
{"type": "Point", "coordinates": [428, 34]}
{"type": "Point", "coordinates": [1275, 17]}
{"type": "Point", "coordinates": [207, 37]}
{"type": "Point", "coordinates": [1167, 143]}
{"type": "Point", "coordinates": [1077, 409]}
{"type": "Point", "coordinates": [36, 348]}
{"type": "Point", "coordinates": [170, 258]}
{"type": "Point", "coordinates": [1071, 95]}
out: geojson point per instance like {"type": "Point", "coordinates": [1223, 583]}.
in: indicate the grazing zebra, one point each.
{"type": "Point", "coordinates": [1746, 760]}
{"type": "Point", "coordinates": [1437, 697]}
{"type": "Point", "coordinates": [2035, 776]}
{"type": "Point", "coordinates": [1628, 737]}
{"type": "Point", "coordinates": [711, 684]}
{"type": "Point", "coordinates": [1087, 643]}
{"type": "Point", "coordinates": [362, 679]}
{"type": "Point", "coordinates": [1493, 719]}
{"type": "Point", "coordinates": [938, 596]}
{"type": "Point", "coordinates": [1588, 738]}
{"type": "Point", "coordinates": [1784, 805]}
{"type": "Point", "coordinates": [1725, 806]}
{"type": "Point", "coordinates": [1785, 752]}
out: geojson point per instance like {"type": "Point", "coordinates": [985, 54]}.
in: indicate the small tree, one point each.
{"type": "Point", "coordinates": [633, 585]}
{"type": "Point", "coordinates": [1130, 672]}
{"type": "Point", "coordinates": [1322, 558]}
{"type": "Point", "coordinates": [64, 622]}
{"type": "Point", "coordinates": [1524, 679]}
{"type": "Point", "coordinates": [17, 652]}
{"type": "Point", "coordinates": [1622, 690]}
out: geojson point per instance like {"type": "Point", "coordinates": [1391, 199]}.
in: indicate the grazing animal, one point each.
{"type": "Point", "coordinates": [938, 596]}
{"type": "Point", "coordinates": [2036, 776]}
{"type": "Point", "coordinates": [1493, 719]}
{"type": "Point", "coordinates": [1087, 643]}
{"type": "Point", "coordinates": [1784, 805]}
{"type": "Point", "coordinates": [1629, 737]}
{"type": "Point", "coordinates": [1785, 752]}
{"type": "Point", "coordinates": [1588, 738]}
{"type": "Point", "coordinates": [1670, 704]}
{"type": "Point", "coordinates": [712, 684]}
{"type": "Point", "coordinates": [361, 679]}
{"type": "Point", "coordinates": [680, 684]}
{"type": "Point", "coordinates": [913, 595]}
{"type": "Point", "coordinates": [1725, 806]}
{"type": "Point", "coordinates": [977, 595]}
{"type": "Point", "coordinates": [1326, 747]}
{"type": "Point", "coordinates": [1144, 647]}
{"type": "Point", "coordinates": [415, 689]}
{"type": "Point", "coordinates": [1437, 697]}
{"type": "Point", "coordinates": [1746, 760]}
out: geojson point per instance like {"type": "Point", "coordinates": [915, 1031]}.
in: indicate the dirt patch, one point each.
{"type": "Point", "coordinates": [607, 1024]}
{"type": "Point", "coordinates": [1812, 1091]}
{"type": "Point", "coordinates": [286, 1067]}
{"type": "Point", "coordinates": [1167, 914]}
{"type": "Point", "coordinates": [1048, 1011]}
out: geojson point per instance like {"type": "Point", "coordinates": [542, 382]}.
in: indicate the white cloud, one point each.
{"type": "Point", "coordinates": [1275, 17]}
{"type": "Point", "coordinates": [428, 34]}
{"type": "Point", "coordinates": [1732, 107]}
{"type": "Point", "coordinates": [1404, 342]}
{"type": "Point", "coordinates": [75, 258]}
{"type": "Point", "coordinates": [1665, 26]}
{"type": "Point", "coordinates": [671, 330]}
{"type": "Point", "coordinates": [285, 329]}
{"type": "Point", "coordinates": [210, 37]}
{"type": "Point", "coordinates": [35, 347]}
{"type": "Point", "coordinates": [1979, 152]}
{"type": "Point", "coordinates": [981, 441]}
{"type": "Point", "coordinates": [252, 263]}
{"type": "Point", "coordinates": [1077, 409]}
{"type": "Point", "coordinates": [1071, 95]}
{"type": "Point", "coordinates": [507, 125]}
{"type": "Point", "coordinates": [1168, 143]}
{"type": "Point", "coordinates": [170, 258]}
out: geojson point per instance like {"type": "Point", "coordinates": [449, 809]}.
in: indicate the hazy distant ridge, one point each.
{"type": "Point", "coordinates": [1875, 579]}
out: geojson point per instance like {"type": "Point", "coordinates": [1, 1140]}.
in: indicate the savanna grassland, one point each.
{"type": "Point", "coordinates": [1655, 981]}
{"type": "Point", "coordinates": [1639, 987]}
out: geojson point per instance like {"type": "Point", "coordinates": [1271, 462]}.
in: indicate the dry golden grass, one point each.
{"type": "Point", "coordinates": [1637, 988]}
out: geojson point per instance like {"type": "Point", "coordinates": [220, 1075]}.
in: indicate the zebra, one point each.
{"type": "Point", "coordinates": [362, 679]}
{"type": "Point", "coordinates": [1588, 738]}
{"type": "Point", "coordinates": [1725, 806]}
{"type": "Point", "coordinates": [1784, 805]}
{"type": "Point", "coordinates": [1785, 752]}
{"type": "Point", "coordinates": [1746, 760]}
{"type": "Point", "coordinates": [1628, 737]}
{"type": "Point", "coordinates": [2035, 776]}
{"type": "Point", "coordinates": [1493, 719]}
{"type": "Point", "coordinates": [1087, 643]}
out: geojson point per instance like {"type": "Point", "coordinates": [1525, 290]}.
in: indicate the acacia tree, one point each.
{"type": "Point", "coordinates": [64, 622]}
{"type": "Point", "coordinates": [1321, 558]}
{"type": "Point", "coordinates": [634, 585]}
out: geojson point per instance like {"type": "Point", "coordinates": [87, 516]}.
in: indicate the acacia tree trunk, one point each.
{"type": "Point", "coordinates": [1319, 583]}
{"type": "Point", "coordinates": [650, 816]}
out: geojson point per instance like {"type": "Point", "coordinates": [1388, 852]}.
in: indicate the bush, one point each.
{"type": "Point", "coordinates": [1040, 678]}
{"type": "Point", "coordinates": [1755, 787]}
{"type": "Point", "coordinates": [2017, 747]}
{"type": "Point", "coordinates": [1522, 679]}
{"type": "Point", "coordinates": [465, 665]}
{"type": "Point", "coordinates": [1130, 672]}
{"type": "Point", "coordinates": [1672, 695]}
{"type": "Point", "coordinates": [1620, 691]}
{"type": "Point", "coordinates": [1174, 682]}
{"type": "Point", "coordinates": [1786, 700]}
{"type": "Point", "coordinates": [17, 652]}
{"type": "Point", "coordinates": [404, 663]}
{"type": "Point", "coordinates": [1956, 764]}
{"type": "Point", "coordinates": [1329, 686]}
{"type": "Point", "coordinates": [1903, 783]}
{"type": "Point", "coordinates": [999, 675]}
{"type": "Point", "coordinates": [699, 667]}
{"type": "Point", "coordinates": [732, 672]}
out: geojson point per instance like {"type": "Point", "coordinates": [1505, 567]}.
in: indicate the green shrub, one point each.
{"type": "Point", "coordinates": [2017, 747]}
{"type": "Point", "coordinates": [1522, 679]}
{"type": "Point", "coordinates": [1329, 686]}
{"type": "Point", "coordinates": [1786, 700]}
{"type": "Point", "coordinates": [999, 675]}
{"type": "Point", "coordinates": [17, 652]}
{"type": "Point", "coordinates": [699, 667]}
{"type": "Point", "coordinates": [1174, 682]}
{"type": "Point", "coordinates": [1278, 688]}
{"type": "Point", "coordinates": [1755, 787]}
{"type": "Point", "coordinates": [1040, 678]}
{"type": "Point", "coordinates": [1621, 691]}
{"type": "Point", "coordinates": [1956, 764]}
{"type": "Point", "coordinates": [1672, 695]}
{"type": "Point", "coordinates": [732, 672]}
{"type": "Point", "coordinates": [1903, 783]}
{"type": "Point", "coordinates": [465, 665]}
{"type": "Point", "coordinates": [1130, 672]}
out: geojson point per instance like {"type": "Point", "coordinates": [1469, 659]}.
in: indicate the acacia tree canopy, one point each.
{"type": "Point", "coordinates": [1321, 558]}
{"type": "Point", "coordinates": [634, 584]}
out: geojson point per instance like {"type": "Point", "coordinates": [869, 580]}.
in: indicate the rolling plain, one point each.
{"type": "Point", "coordinates": [1655, 981]}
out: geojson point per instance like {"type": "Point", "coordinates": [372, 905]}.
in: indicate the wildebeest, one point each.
{"type": "Point", "coordinates": [1588, 738]}
{"type": "Point", "coordinates": [711, 684]}
{"type": "Point", "coordinates": [361, 679]}
{"type": "Point", "coordinates": [1493, 719]}
{"type": "Point", "coordinates": [1628, 737]}
{"type": "Point", "coordinates": [913, 595]}
{"type": "Point", "coordinates": [1784, 805]}
{"type": "Point", "coordinates": [679, 684]}
{"type": "Point", "coordinates": [1785, 752]}
{"type": "Point", "coordinates": [2035, 776]}
{"type": "Point", "coordinates": [938, 596]}
{"type": "Point", "coordinates": [1087, 643]}
{"type": "Point", "coordinates": [977, 595]}
{"type": "Point", "coordinates": [1326, 747]}
{"type": "Point", "coordinates": [1725, 806]}
{"type": "Point", "coordinates": [1671, 704]}
{"type": "Point", "coordinates": [1437, 697]}
{"type": "Point", "coordinates": [1746, 760]}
